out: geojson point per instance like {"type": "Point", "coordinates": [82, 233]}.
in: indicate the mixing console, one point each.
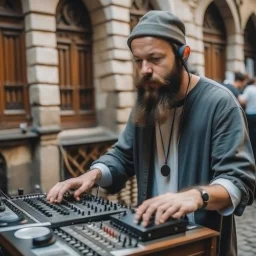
{"type": "Point", "coordinates": [69, 211]}
{"type": "Point", "coordinates": [31, 226]}
{"type": "Point", "coordinates": [99, 237]}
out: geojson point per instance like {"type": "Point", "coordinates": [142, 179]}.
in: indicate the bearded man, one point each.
{"type": "Point", "coordinates": [186, 140]}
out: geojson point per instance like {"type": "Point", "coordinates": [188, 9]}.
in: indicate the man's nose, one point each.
{"type": "Point", "coordinates": [146, 68]}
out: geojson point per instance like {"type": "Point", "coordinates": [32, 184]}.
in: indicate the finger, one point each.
{"type": "Point", "coordinates": [143, 207]}
{"type": "Point", "coordinates": [178, 215]}
{"type": "Point", "coordinates": [66, 186]}
{"type": "Point", "coordinates": [173, 212]}
{"type": "Point", "coordinates": [141, 210]}
{"type": "Point", "coordinates": [53, 194]}
{"type": "Point", "coordinates": [160, 210]}
{"type": "Point", "coordinates": [146, 204]}
{"type": "Point", "coordinates": [149, 212]}
{"type": "Point", "coordinates": [83, 188]}
{"type": "Point", "coordinates": [50, 193]}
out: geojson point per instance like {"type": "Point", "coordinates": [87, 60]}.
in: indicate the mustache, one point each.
{"type": "Point", "coordinates": [148, 82]}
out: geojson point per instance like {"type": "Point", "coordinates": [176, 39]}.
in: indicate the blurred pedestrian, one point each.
{"type": "Point", "coordinates": [238, 84]}
{"type": "Point", "coordinates": [248, 99]}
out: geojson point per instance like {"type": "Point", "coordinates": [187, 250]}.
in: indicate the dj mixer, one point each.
{"type": "Point", "coordinates": [69, 211]}
{"type": "Point", "coordinates": [31, 226]}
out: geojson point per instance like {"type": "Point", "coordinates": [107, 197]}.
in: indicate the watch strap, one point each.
{"type": "Point", "coordinates": [204, 196]}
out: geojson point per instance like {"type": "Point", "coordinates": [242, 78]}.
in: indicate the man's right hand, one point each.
{"type": "Point", "coordinates": [82, 184]}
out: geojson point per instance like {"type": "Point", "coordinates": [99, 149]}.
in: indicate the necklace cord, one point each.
{"type": "Point", "coordinates": [173, 120]}
{"type": "Point", "coordinates": [170, 138]}
{"type": "Point", "coordinates": [185, 100]}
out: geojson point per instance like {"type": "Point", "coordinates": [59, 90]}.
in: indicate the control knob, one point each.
{"type": "Point", "coordinates": [20, 191]}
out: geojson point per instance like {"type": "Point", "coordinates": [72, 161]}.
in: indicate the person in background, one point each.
{"type": "Point", "coordinates": [238, 85]}
{"type": "Point", "coordinates": [248, 100]}
{"type": "Point", "coordinates": [186, 140]}
{"type": "Point", "coordinates": [193, 71]}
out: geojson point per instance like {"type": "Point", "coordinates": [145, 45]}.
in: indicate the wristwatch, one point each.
{"type": "Point", "coordinates": [204, 196]}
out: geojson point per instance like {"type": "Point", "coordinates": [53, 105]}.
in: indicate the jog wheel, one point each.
{"type": "Point", "coordinates": [41, 236]}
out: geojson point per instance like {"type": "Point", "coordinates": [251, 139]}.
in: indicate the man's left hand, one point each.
{"type": "Point", "coordinates": [169, 205]}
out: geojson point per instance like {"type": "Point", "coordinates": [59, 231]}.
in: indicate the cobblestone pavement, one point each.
{"type": "Point", "coordinates": [246, 232]}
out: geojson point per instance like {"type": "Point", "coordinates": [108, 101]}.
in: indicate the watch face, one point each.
{"type": "Point", "coordinates": [205, 196]}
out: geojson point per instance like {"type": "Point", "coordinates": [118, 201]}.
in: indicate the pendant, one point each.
{"type": "Point", "coordinates": [165, 170]}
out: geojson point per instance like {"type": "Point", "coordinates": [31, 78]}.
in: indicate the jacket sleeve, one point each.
{"type": "Point", "coordinates": [232, 156]}
{"type": "Point", "coordinates": [119, 159]}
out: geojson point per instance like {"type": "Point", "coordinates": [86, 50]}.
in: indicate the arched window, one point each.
{"type": "Point", "coordinates": [74, 42]}
{"type": "Point", "coordinates": [249, 47]}
{"type": "Point", "coordinates": [214, 44]}
{"type": "Point", "coordinates": [14, 103]}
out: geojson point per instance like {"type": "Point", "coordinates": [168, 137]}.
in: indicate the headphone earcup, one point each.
{"type": "Point", "coordinates": [184, 52]}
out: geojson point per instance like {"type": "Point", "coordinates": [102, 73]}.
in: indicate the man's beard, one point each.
{"type": "Point", "coordinates": [156, 97]}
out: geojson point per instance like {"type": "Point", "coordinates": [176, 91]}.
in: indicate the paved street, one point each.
{"type": "Point", "coordinates": [246, 232]}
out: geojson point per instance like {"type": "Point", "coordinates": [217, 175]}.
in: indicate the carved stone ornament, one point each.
{"type": "Point", "coordinates": [9, 5]}
{"type": "Point", "coordinates": [192, 3]}
{"type": "Point", "coordinates": [141, 4]}
{"type": "Point", "coordinates": [239, 2]}
{"type": "Point", "coordinates": [4, 4]}
{"type": "Point", "coordinates": [72, 14]}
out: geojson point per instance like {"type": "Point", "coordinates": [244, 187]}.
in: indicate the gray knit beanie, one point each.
{"type": "Point", "coordinates": [161, 24]}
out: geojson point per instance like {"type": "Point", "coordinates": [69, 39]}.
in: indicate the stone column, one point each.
{"type": "Point", "coordinates": [112, 63]}
{"type": "Point", "coordinates": [195, 41]}
{"type": "Point", "coordinates": [235, 53]}
{"type": "Point", "coordinates": [42, 75]}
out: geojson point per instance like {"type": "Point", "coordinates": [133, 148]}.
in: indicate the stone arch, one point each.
{"type": "Point", "coordinates": [160, 5]}
{"type": "Point", "coordinates": [249, 45]}
{"type": "Point", "coordinates": [90, 5]}
{"type": "Point", "coordinates": [229, 13]}
{"type": "Point", "coordinates": [251, 15]}
{"type": "Point", "coordinates": [93, 6]}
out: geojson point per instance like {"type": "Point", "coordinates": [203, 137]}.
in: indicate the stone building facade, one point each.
{"type": "Point", "coordinates": [77, 72]}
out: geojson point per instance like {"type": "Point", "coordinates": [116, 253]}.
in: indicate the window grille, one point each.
{"type": "Point", "coordinates": [14, 102]}
{"type": "Point", "coordinates": [74, 43]}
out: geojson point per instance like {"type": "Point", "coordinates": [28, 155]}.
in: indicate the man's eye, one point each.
{"type": "Point", "coordinates": [155, 59]}
{"type": "Point", "coordinates": [138, 61]}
